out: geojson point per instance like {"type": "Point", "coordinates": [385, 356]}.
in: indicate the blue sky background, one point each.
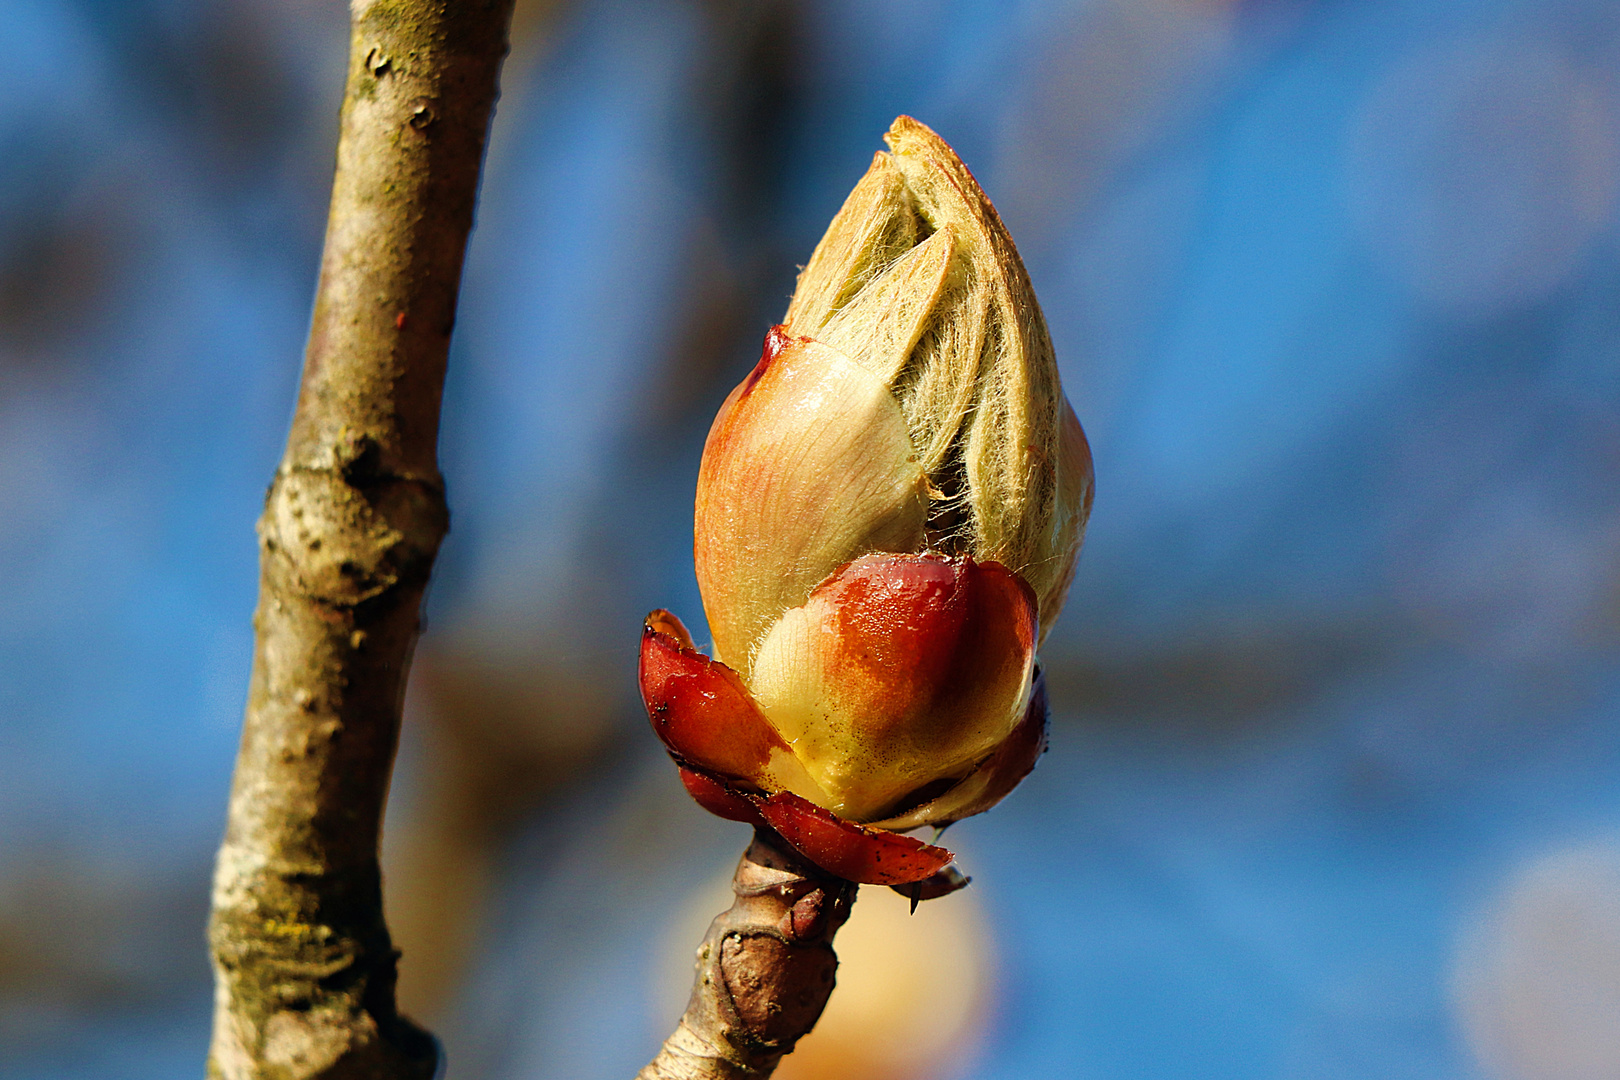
{"type": "Point", "coordinates": [1335, 289]}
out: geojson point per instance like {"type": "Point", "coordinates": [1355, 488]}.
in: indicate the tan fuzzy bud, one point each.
{"type": "Point", "coordinates": [918, 282]}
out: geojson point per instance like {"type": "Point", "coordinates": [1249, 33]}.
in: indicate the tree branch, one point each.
{"type": "Point", "coordinates": [764, 970]}
{"type": "Point", "coordinates": [304, 965]}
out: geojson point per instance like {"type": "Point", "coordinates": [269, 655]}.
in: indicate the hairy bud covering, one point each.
{"type": "Point", "coordinates": [888, 513]}
{"type": "Point", "coordinates": [918, 282]}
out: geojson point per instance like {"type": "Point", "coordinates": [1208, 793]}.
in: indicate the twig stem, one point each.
{"type": "Point", "coordinates": [304, 964]}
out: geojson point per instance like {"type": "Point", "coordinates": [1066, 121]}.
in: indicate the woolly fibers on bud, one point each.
{"type": "Point", "coordinates": [888, 514]}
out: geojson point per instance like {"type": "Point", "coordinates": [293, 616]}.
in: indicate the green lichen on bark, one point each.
{"type": "Point", "coordinates": [304, 964]}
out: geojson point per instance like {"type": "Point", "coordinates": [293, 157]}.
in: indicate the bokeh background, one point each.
{"type": "Point", "coordinates": [1334, 787]}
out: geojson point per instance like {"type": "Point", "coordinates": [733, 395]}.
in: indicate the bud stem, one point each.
{"type": "Point", "coordinates": [764, 970]}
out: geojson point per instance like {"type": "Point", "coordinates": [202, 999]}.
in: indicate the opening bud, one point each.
{"type": "Point", "coordinates": [918, 282]}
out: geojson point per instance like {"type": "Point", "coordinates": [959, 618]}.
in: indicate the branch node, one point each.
{"type": "Point", "coordinates": [764, 971]}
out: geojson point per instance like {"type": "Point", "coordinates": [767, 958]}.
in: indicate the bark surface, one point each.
{"type": "Point", "coordinates": [764, 971]}
{"type": "Point", "coordinates": [304, 965]}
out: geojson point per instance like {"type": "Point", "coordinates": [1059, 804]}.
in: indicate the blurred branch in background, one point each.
{"type": "Point", "coordinates": [352, 523]}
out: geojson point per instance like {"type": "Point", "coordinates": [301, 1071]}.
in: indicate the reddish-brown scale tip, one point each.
{"type": "Point", "coordinates": [699, 707]}
{"type": "Point", "coordinates": [660, 621]}
{"type": "Point", "coordinates": [851, 851]}
{"type": "Point", "coordinates": [718, 797]}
